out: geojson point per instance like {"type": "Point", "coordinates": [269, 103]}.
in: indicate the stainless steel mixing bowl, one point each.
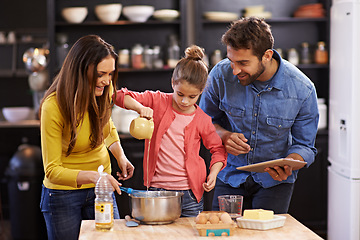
{"type": "Point", "coordinates": [156, 207]}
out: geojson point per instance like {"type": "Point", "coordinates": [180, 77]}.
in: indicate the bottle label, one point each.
{"type": "Point", "coordinates": [103, 212]}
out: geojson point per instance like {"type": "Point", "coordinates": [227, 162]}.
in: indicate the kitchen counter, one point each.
{"type": "Point", "coordinates": [183, 228]}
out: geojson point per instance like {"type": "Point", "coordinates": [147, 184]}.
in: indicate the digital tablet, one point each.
{"type": "Point", "coordinates": [259, 167]}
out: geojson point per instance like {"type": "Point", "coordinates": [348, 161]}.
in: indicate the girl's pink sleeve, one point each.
{"type": "Point", "coordinates": [120, 94]}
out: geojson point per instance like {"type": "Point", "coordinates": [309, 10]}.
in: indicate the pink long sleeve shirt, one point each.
{"type": "Point", "coordinates": [200, 128]}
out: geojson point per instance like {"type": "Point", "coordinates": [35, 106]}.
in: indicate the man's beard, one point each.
{"type": "Point", "coordinates": [254, 77]}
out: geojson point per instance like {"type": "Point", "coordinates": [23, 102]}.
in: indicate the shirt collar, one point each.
{"type": "Point", "coordinates": [277, 81]}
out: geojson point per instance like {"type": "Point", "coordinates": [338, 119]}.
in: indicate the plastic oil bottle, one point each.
{"type": "Point", "coordinates": [104, 215]}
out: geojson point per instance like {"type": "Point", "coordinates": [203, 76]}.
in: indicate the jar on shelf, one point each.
{"type": "Point", "coordinates": [321, 54]}
{"type": "Point", "coordinates": [293, 56]}
{"type": "Point", "coordinates": [148, 57]}
{"type": "Point", "coordinates": [124, 58]}
{"type": "Point", "coordinates": [157, 58]}
{"type": "Point", "coordinates": [137, 61]}
{"type": "Point", "coordinates": [62, 48]}
{"type": "Point", "coordinates": [173, 51]}
{"type": "Point", "coordinates": [305, 55]}
{"type": "Point", "coordinates": [216, 57]}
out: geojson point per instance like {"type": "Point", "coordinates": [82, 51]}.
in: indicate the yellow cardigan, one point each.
{"type": "Point", "coordinates": [61, 171]}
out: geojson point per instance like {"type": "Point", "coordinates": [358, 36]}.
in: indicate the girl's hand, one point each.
{"type": "Point", "coordinates": [211, 179]}
{"type": "Point", "coordinates": [146, 112]}
{"type": "Point", "coordinates": [210, 184]}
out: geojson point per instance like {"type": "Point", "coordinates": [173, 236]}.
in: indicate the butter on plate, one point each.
{"type": "Point", "coordinates": [258, 214]}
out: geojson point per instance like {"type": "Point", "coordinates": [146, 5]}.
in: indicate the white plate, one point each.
{"type": "Point", "coordinates": [166, 14]}
{"type": "Point", "coordinates": [221, 16]}
{"type": "Point", "coordinates": [277, 222]}
{"type": "Point", "coordinates": [259, 167]}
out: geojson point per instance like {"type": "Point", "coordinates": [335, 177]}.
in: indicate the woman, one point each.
{"type": "Point", "coordinates": [76, 133]}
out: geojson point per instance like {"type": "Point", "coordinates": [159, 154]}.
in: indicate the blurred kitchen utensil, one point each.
{"type": "Point", "coordinates": [131, 222]}
{"type": "Point", "coordinates": [108, 13]}
{"type": "Point", "coordinates": [74, 14]}
{"type": "Point", "coordinates": [313, 10]}
{"type": "Point", "coordinates": [15, 114]}
{"type": "Point", "coordinates": [39, 81]}
{"type": "Point", "coordinates": [257, 11]}
{"type": "Point", "coordinates": [166, 14]}
{"type": "Point", "coordinates": [138, 13]}
{"type": "Point", "coordinates": [36, 59]}
{"type": "Point", "coordinates": [220, 16]}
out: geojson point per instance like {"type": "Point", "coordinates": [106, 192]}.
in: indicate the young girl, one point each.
{"type": "Point", "coordinates": [179, 127]}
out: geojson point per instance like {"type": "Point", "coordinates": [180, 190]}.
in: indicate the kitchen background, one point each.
{"type": "Point", "coordinates": [39, 23]}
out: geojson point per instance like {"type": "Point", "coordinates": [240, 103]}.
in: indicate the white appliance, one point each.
{"type": "Point", "coordinates": [344, 122]}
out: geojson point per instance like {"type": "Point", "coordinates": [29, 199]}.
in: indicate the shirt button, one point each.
{"type": "Point", "coordinates": [279, 126]}
{"type": "Point", "coordinates": [251, 149]}
{"type": "Point", "coordinates": [253, 132]}
{"type": "Point", "coordinates": [255, 114]}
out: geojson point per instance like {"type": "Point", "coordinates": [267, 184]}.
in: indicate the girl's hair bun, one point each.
{"type": "Point", "coordinates": [194, 53]}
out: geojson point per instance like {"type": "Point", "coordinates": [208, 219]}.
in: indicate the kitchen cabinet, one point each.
{"type": "Point", "coordinates": [122, 34]}
{"type": "Point", "coordinates": [309, 202]}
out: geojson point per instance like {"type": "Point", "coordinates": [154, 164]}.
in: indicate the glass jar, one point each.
{"type": "Point", "coordinates": [148, 57]}
{"type": "Point", "coordinates": [173, 52]}
{"type": "Point", "coordinates": [157, 58]}
{"type": "Point", "coordinates": [321, 54]}
{"type": "Point", "coordinates": [62, 48]}
{"type": "Point", "coordinates": [216, 57]}
{"type": "Point", "coordinates": [124, 58]}
{"type": "Point", "coordinates": [293, 56]}
{"type": "Point", "coordinates": [137, 61]}
{"type": "Point", "coordinates": [305, 57]}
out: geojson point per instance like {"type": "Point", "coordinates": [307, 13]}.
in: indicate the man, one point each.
{"type": "Point", "coordinates": [263, 108]}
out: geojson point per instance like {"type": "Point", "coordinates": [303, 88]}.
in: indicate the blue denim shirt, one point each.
{"type": "Point", "coordinates": [278, 120]}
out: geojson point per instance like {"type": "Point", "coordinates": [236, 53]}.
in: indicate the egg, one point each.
{"type": "Point", "coordinates": [225, 218]}
{"type": "Point", "coordinates": [201, 218]}
{"type": "Point", "coordinates": [214, 219]}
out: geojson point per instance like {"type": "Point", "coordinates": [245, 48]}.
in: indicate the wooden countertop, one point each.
{"type": "Point", "coordinates": [183, 228]}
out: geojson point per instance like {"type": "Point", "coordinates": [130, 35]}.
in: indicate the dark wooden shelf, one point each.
{"type": "Point", "coordinates": [154, 70]}
{"type": "Point", "coordinates": [118, 23]}
{"type": "Point", "coordinates": [276, 20]}
{"type": "Point", "coordinates": [13, 73]}
{"type": "Point", "coordinates": [313, 66]}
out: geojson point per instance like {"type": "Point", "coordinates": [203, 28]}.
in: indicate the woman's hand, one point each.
{"type": "Point", "coordinates": [114, 183]}
{"type": "Point", "coordinates": [127, 169]}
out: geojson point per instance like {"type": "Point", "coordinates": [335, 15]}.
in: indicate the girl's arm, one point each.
{"type": "Point", "coordinates": [132, 104]}
{"type": "Point", "coordinates": [211, 179]}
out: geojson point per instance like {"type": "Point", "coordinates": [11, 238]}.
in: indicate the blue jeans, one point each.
{"type": "Point", "coordinates": [189, 205]}
{"type": "Point", "coordinates": [64, 210]}
{"type": "Point", "coordinates": [275, 198]}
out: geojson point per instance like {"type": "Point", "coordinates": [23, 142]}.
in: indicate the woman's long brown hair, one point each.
{"type": "Point", "coordinates": [75, 88]}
